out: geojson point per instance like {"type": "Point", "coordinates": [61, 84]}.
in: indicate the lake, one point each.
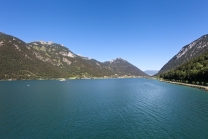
{"type": "Point", "coordinates": [102, 108]}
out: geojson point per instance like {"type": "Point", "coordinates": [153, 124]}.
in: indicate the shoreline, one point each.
{"type": "Point", "coordinates": [189, 85]}
{"type": "Point", "coordinates": [73, 78]}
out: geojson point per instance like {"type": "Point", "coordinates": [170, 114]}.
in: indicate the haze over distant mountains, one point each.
{"type": "Point", "coordinates": [39, 59]}
{"type": "Point", "coordinates": [151, 72]}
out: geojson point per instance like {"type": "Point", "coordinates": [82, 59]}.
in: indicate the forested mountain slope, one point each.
{"type": "Point", "coordinates": [187, 53]}
{"type": "Point", "coordinates": [196, 70]}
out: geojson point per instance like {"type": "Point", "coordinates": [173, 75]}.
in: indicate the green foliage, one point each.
{"type": "Point", "coordinates": [194, 71]}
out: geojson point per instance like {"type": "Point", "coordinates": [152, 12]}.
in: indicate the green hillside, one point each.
{"type": "Point", "coordinates": [188, 52]}
{"type": "Point", "coordinates": [194, 71]}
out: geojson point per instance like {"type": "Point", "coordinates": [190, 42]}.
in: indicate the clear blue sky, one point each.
{"type": "Point", "coordinates": [147, 33]}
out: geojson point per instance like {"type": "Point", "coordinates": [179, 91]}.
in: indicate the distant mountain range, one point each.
{"type": "Point", "coordinates": [46, 60]}
{"type": "Point", "coordinates": [39, 59]}
{"type": "Point", "coordinates": [151, 72]}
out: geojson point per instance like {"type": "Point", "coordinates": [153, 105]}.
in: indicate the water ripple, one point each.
{"type": "Point", "coordinates": [114, 108]}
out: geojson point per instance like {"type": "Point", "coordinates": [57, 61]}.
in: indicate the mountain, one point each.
{"type": "Point", "coordinates": [123, 67]}
{"type": "Point", "coordinates": [187, 53]}
{"type": "Point", "coordinates": [39, 59]}
{"type": "Point", "coordinates": [193, 71]}
{"type": "Point", "coordinates": [75, 65]}
{"type": "Point", "coordinates": [151, 72]}
{"type": "Point", "coordinates": [19, 61]}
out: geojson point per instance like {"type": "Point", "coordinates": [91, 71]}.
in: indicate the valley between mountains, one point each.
{"type": "Point", "coordinates": [48, 60]}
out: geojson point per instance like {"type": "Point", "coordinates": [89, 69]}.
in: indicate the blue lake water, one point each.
{"type": "Point", "coordinates": [99, 109]}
